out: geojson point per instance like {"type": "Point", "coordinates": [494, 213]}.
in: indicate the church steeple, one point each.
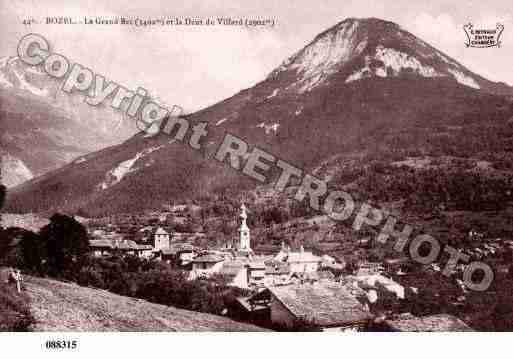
{"type": "Point", "coordinates": [244, 242]}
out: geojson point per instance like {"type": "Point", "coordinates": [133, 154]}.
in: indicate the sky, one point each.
{"type": "Point", "coordinates": [196, 66]}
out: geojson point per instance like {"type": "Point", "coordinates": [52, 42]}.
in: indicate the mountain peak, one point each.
{"type": "Point", "coordinates": [366, 22]}
{"type": "Point", "coordinates": [359, 48]}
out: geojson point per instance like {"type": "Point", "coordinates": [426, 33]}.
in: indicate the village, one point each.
{"type": "Point", "coordinates": [292, 289]}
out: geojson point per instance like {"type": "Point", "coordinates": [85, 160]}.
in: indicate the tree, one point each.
{"type": "Point", "coordinates": [67, 243]}
{"type": "Point", "coordinates": [24, 253]}
{"type": "Point", "coordinates": [3, 191]}
{"type": "Point", "coordinates": [33, 252]}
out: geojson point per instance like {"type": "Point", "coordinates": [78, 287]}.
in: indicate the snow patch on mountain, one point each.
{"type": "Point", "coordinates": [464, 79]}
{"type": "Point", "coordinates": [366, 72]}
{"type": "Point", "coordinates": [14, 171]}
{"type": "Point", "coordinates": [121, 171]}
{"type": "Point", "coordinates": [358, 75]}
{"type": "Point", "coordinates": [324, 56]}
{"type": "Point", "coordinates": [399, 61]}
{"type": "Point", "coordinates": [221, 121]}
{"type": "Point", "coordinates": [24, 85]}
{"type": "Point", "coordinates": [331, 49]}
{"type": "Point", "coordinates": [115, 175]}
{"type": "Point", "coordinates": [275, 92]}
{"type": "Point", "coordinates": [312, 82]}
{"type": "Point", "coordinates": [390, 62]}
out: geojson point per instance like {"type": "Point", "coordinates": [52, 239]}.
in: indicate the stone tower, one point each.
{"type": "Point", "coordinates": [161, 239]}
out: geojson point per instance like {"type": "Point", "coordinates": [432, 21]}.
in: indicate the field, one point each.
{"type": "Point", "coordinates": [14, 309]}
{"type": "Point", "coordinates": [59, 306]}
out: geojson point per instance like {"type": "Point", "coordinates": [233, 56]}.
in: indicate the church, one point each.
{"type": "Point", "coordinates": [244, 245]}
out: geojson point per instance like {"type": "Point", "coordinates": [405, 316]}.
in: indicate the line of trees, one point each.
{"type": "Point", "coordinates": [59, 247]}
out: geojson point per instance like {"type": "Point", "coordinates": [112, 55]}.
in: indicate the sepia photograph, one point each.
{"type": "Point", "coordinates": [277, 169]}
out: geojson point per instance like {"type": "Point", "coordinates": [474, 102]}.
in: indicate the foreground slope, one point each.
{"type": "Point", "coordinates": [59, 306]}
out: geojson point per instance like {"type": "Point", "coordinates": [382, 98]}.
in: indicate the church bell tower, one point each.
{"type": "Point", "coordinates": [244, 242]}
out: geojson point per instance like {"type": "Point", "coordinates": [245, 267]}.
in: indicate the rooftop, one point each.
{"type": "Point", "coordinates": [232, 267]}
{"type": "Point", "coordinates": [431, 323]}
{"type": "Point", "coordinates": [161, 231]}
{"type": "Point", "coordinates": [326, 304]}
{"type": "Point", "coordinates": [256, 265]}
{"type": "Point", "coordinates": [175, 248]}
{"type": "Point", "coordinates": [277, 268]}
{"type": "Point", "coordinates": [208, 258]}
{"type": "Point", "coordinates": [117, 244]}
{"type": "Point", "coordinates": [303, 257]}
{"type": "Point", "coordinates": [100, 243]}
{"type": "Point", "coordinates": [322, 275]}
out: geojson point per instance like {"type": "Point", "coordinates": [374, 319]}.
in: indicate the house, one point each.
{"type": "Point", "coordinates": [236, 272]}
{"type": "Point", "coordinates": [300, 261]}
{"type": "Point", "coordinates": [323, 306]}
{"type": "Point", "coordinates": [407, 322]}
{"type": "Point", "coordinates": [328, 260]}
{"type": "Point", "coordinates": [243, 272]}
{"type": "Point", "coordinates": [302, 277]}
{"type": "Point", "coordinates": [276, 272]}
{"type": "Point", "coordinates": [256, 273]}
{"type": "Point", "coordinates": [179, 253]}
{"type": "Point", "coordinates": [377, 281]}
{"type": "Point", "coordinates": [398, 266]}
{"type": "Point", "coordinates": [254, 309]}
{"type": "Point", "coordinates": [303, 261]}
{"type": "Point", "coordinates": [161, 239]}
{"type": "Point", "coordinates": [337, 269]}
{"type": "Point", "coordinates": [369, 268]}
{"type": "Point", "coordinates": [101, 247]}
{"type": "Point", "coordinates": [206, 264]}
{"type": "Point", "coordinates": [105, 247]}
{"type": "Point", "coordinates": [145, 251]}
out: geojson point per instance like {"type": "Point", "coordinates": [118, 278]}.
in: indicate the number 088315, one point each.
{"type": "Point", "coordinates": [61, 344]}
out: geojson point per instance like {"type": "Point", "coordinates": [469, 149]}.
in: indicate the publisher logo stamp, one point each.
{"type": "Point", "coordinates": [483, 37]}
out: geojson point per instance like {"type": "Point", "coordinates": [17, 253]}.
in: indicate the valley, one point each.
{"type": "Point", "coordinates": [366, 108]}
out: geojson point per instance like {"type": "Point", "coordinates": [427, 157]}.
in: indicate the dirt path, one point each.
{"type": "Point", "coordinates": [59, 306]}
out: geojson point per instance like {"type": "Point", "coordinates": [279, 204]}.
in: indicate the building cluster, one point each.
{"type": "Point", "coordinates": [104, 247]}
{"type": "Point", "coordinates": [237, 262]}
{"type": "Point", "coordinates": [292, 289]}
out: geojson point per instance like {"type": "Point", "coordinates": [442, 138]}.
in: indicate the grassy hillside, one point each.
{"type": "Point", "coordinates": [390, 119]}
{"type": "Point", "coordinates": [59, 306]}
{"type": "Point", "coordinates": [14, 309]}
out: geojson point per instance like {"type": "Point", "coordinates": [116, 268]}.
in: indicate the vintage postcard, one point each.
{"type": "Point", "coordinates": [255, 166]}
